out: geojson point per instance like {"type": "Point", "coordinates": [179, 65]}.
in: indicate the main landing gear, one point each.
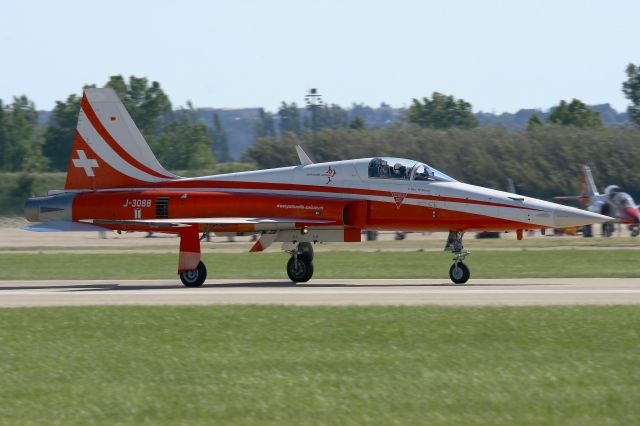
{"type": "Point", "coordinates": [459, 271]}
{"type": "Point", "coordinates": [194, 277]}
{"type": "Point", "coordinates": [300, 264]}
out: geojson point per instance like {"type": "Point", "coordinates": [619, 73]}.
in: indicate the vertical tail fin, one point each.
{"type": "Point", "coordinates": [587, 186]}
{"type": "Point", "coordinates": [108, 149]}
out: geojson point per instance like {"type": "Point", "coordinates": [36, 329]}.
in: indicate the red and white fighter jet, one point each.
{"type": "Point", "coordinates": [114, 182]}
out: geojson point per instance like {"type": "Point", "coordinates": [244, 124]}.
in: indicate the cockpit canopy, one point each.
{"type": "Point", "coordinates": [623, 199]}
{"type": "Point", "coordinates": [403, 169]}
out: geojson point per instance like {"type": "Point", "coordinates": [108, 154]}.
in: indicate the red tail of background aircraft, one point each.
{"type": "Point", "coordinates": [114, 182]}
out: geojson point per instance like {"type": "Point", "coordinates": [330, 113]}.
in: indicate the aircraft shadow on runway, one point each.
{"type": "Point", "coordinates": [73, 287]}
{"type": "Point", "coordinates": [240, 284]}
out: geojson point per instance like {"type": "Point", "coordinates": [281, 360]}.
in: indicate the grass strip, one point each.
{"type": "Point", "coordinates": [320, 365]}
{"type": "Point", "coordinates": [484, 264]}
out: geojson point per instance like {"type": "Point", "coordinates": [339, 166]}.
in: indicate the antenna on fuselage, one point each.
{"type": "Point", "coordinates": [304, 158]}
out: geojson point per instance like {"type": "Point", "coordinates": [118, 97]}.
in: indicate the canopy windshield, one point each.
{"type": "Point", "coordinates": [402, 169]}
{"type": "Point", "coordinates": [624, 199]}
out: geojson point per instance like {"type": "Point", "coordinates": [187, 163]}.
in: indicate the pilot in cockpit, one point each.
{"type": "Point", "coordinates": [398, 171]}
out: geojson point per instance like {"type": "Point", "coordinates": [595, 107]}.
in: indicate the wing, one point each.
{"type": "Point", "coordinates": [65, 226]}
{"type": "Point", "coordinates": [215, 223]}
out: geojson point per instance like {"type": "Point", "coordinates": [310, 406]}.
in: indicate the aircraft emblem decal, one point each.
{"type": "Point", "coordinates": [398, 197]}
{"type": "Point", "coordinates": [85, 163]}
{"type": "Point", "coordinates": [329, 174]}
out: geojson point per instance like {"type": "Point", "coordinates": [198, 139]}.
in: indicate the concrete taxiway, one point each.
{"type": "Point", "coordinates": [510, 292]}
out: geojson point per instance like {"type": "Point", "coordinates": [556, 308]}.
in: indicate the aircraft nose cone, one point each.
{"type": "Point", "coordinates": [564, 216]}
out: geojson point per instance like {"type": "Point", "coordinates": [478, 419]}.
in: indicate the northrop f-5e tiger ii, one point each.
{"type": "Point", "coordinates": [114, 182]}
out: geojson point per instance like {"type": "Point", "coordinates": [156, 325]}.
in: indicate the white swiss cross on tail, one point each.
{"type": "Point", "coordinates": [86, 163]}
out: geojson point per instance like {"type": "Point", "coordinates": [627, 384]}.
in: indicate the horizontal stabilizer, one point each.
{"type": "Point", "coordinates": [65, 226]}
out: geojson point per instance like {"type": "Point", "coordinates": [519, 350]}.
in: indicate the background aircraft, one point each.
{"type": "Point", "coordinates": [613, 202]}
{"type": "Point", "coordinates": [115, 182]}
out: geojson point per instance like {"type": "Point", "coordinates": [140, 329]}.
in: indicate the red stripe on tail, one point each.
{"type": "Point", "coordinates": [102, 131]}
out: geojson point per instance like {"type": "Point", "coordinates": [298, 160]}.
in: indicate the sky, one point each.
{"type": "Point", "coordinates": [499, 55]}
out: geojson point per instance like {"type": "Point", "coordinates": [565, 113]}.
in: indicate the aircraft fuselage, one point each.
{"type": "Point", "coordinates": [340, 193]}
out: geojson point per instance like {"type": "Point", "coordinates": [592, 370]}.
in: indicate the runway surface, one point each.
{"type": "Point", "coordinates": [515, 292]}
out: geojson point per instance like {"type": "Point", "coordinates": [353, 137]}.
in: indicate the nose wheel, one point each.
{"type": "Point", "coordinates": [300, 268]}
{"type": "Point", "coordinates": [300, 264]}
{"type": "Point", "coordinates": [459, 273]}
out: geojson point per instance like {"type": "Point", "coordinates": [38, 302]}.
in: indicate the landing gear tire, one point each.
{"type": "Point", "coordinates": [608, 229]}
{"type": "Point", "coordinates": [459, 273]}
{"type": "Point", "coordinates": [194, 277]}
{"type": "Point", "coordinates": [305, 249]}
{"type": "Point", "coordinates": [635, 231]}
{"type": "Point", "coordinates": [300, 269]}
{"type": "Point", "coordinates": [587, 231]}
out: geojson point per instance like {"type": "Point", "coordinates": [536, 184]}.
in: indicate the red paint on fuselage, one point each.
{"type": "Point", "coordinates": [141, 205]}
{"type": "Point", "coordinates": [385, 216]}
{"type": "Point", "coordinates": [361, 214]}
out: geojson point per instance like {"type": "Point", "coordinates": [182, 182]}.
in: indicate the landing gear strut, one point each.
{"type": "Point", "coordinates": [459, 271]}
{"type": "Point", "coordinates": [300, 264]}
{"type": "Point", "coordinates": [194, 277]}
{"type": "Point", "coordinates": [190, 268]}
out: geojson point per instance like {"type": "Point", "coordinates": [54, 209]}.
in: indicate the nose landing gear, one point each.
{"type": "Point", "coordinates": [459, 271]}
{"type": "Point", "coordinates": [300, 264]}
{"type": "Point", "coordinates": [299, 268]}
